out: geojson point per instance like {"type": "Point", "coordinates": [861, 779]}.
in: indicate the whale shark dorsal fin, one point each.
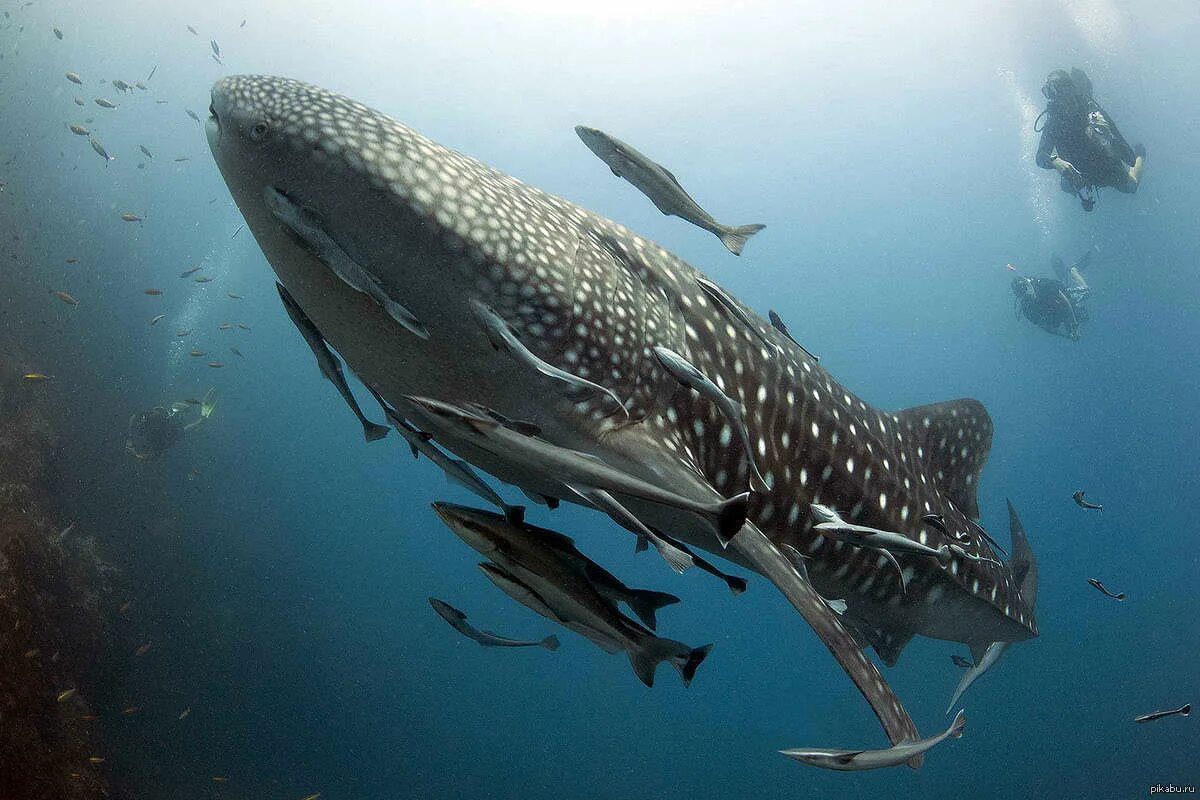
{"type": "Point", "coordinates": [952, 440]}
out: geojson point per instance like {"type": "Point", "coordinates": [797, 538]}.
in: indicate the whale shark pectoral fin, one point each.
{"type": "Point", "coordinates": [955, 437]}
{"type": "Point", "coordinates": [771, 562]}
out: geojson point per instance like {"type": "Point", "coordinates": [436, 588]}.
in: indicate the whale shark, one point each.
{"type": "Point", "coordinates": [442, 234]}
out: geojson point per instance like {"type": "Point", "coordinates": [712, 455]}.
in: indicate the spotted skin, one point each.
{"type": "Point", "coordinates": [439, 229]}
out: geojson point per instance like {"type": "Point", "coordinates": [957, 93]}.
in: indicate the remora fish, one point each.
{"type": "Point", "coordinates": [1107, 593]}
{"type": "Point", "coordinates": [539, 577]}
{"type": "Point", "coordinates": [585, 476]}
{"type": "Point", "coordinates": [457, 471]}
{"type": "Point", "coordinates": [448, 228]}
{"type": "Point", "coordinates": [305, 225]}
{"type": "Point", "coordinates": [686, 373]}
{"type": "Point", "coordinates": [887, 543]}
{"type": "Point", "coordinates": [643, 602]}
{"type": "Point", "coordinates": [330, 367]}
{"type": "Point", "coordinates": [502, 338]}
{"type": "Point", "coordinates": [856, 760]}
{"type": "Point", "coordinates": [657, 183]}
{"type": "Point", "coordinates": [1182, 711]}
{"type": "Point", "coordinates": [1082, 503]}
{"type": "Point", "coordinates": [458, 620]}
{"type": "Point", "coordinates": [777, 324]}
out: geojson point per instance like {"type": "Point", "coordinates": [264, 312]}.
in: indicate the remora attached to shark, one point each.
{"type": "Point", "coordinates": [436, 230]}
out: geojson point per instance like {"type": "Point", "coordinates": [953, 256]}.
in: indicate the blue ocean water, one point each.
{"type": "Point", "coordinates": [281, 567]}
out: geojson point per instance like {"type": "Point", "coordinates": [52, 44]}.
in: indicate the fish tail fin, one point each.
{"type": "Point", "coordinates": [641, 545]}
{"type": "Point", "coordinates": [676, 557]}
{"type": "Point", "coordinates": [1186, 710]}
{"type": "Point", "coordinates": [1120, 595]}
{"type": "Point", "coordinates": [960, 722]}
{"type": "Point", "coordinates": [645, 603]}
{"type": "Point", "coordinates": [735, 238]}
{"type": "Point", "coordinates": [731, 516]}
{"type": "Point", "coordinates": [646, 658]}
{"type": "Point", "coordinates": [695, 657]}
{"type": "Point", "coordinates": [736, 585]}
{"type": "Point", "coordinates": [373, 432]}
{"type": "Point", "coordinates": [550, 642]}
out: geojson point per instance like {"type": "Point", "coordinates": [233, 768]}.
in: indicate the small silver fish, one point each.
{"type": "Point", "coordinates": [148, 154]}
{"type": "Point", "coordinates": [79, 130]}
{"type": "Point", "coordinates": [99, 148]}
{"type": "Point", "coordinates": [192, 114]}
{"type": "Point", "coordinates": [103, 103]}
{"type": "Point", "coordinates": [73, 77]}
{"type": "Point", "coordinates": [1182, 711]}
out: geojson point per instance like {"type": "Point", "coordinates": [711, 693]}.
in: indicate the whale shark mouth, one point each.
{"type": "Point", "coordinates": [450, 280]}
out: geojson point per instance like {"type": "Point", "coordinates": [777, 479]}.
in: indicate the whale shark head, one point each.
{"type": "Point", "coordinates": [359, 215]}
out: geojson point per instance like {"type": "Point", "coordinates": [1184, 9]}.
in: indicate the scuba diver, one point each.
{"type": "Point", "coordinates": [1081, 141]}
{"type": "Point", "coordinates": [1054, 304]}
{"type": "Point", "coordinates": [153, 432]}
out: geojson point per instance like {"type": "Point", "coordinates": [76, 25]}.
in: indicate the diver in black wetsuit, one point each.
{"type": "Point", "coordinates": [153, 432]}
{"type": "Point", "coordinates": [1081, 141]}
{"type": "Point", "coordinates": [1054, 304]}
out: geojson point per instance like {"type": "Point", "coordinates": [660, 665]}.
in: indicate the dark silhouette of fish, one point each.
{"type": "Point", "coordinates": [1082, 503]}
{"type": "Point", "coordinates": [1100, 586]}
{"type": "Point", "coordinates": [1183, 711]}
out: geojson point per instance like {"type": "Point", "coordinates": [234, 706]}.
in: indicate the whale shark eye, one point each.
{"type": "Point", "coordinates": [259, 131]}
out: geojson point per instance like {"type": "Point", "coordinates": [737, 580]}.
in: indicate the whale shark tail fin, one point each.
{"type": "Point", "coordinates": [735, 238]}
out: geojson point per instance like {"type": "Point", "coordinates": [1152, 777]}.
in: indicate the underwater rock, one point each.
{"type": "Point", "coordinates": [55, 604]}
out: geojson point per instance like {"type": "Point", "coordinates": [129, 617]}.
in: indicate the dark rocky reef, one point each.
{"type": "Point", "coordinates": [56, 611]}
